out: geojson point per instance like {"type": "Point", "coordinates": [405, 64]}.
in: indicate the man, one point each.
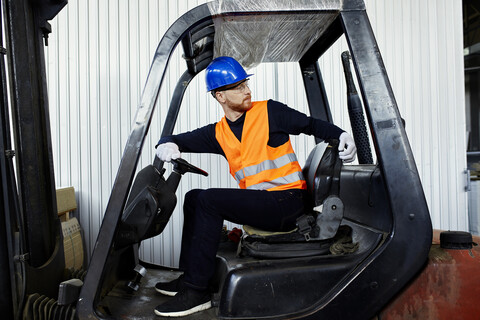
{"type": "Point", "coordinates": [254, 138]}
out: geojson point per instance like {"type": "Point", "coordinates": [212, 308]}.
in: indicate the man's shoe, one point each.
{"type": "Point", "coordinates": [186, 302]}
{"type": "Point", "coordinates": [170, 288]}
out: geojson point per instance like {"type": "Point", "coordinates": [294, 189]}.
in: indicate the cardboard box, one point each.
{"type": "Point", "coordinates": [66, 202]}
{"type": "Point", "coordinates": [72, 244]}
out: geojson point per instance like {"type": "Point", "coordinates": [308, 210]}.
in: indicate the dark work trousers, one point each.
{"type": "Point", "coordinates": [204, 215]}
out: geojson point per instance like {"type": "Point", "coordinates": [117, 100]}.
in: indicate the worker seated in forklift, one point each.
{"type": "Point", "coordinates": [254, 138]}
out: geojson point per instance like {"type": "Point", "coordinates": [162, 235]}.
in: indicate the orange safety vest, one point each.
{"type": "Point", "coordinates": [253, 163]}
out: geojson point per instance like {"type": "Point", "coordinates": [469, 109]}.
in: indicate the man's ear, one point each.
{"type": "Point", "coordinates": [219, 95]}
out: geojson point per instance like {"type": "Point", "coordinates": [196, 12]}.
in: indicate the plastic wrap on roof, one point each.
{"type": "Point", "coordinates": [223, 6]}
{"type": "Point", "coordinates": [254, 31]}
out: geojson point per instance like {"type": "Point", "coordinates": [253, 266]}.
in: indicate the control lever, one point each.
{"type": "Point", "coordinates": [180, 167]}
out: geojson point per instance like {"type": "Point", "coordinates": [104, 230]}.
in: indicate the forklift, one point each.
{"type": "Point", "coordinates": [380, 206]}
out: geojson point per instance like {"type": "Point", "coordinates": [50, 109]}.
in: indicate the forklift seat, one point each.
{"type": "Point", "coordinates": [309, 172]}
{"type": "Point", "coordinates": [321, 172]}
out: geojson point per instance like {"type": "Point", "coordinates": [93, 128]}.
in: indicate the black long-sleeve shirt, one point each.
{"type": "Point", "coordinates": [282, 120]}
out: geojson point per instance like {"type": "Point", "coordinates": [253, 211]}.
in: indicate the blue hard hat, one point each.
{"type": "Point", "coordinates": [223, 71]}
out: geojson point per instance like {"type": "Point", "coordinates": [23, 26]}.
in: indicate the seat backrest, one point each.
{"type": "Point", "coordinates": [312, 163]}
{"type": "Point", "coordinates": [319, 171]}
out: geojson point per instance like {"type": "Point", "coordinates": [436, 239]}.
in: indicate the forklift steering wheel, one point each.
{"type": "Point", "coordinates": [182, 166]}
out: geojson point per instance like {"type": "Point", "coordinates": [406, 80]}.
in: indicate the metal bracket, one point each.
{"type": "Point", "coordinates": [22, 257]}
{"type": "Point", "coordinates": [331, 217]}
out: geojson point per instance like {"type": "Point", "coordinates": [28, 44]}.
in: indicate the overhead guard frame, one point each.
{"type": "Point", "coordinates": [375, 285]}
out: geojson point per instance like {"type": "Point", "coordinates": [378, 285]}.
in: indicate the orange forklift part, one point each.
{"type": "Point", "coordinates": [448, 287]}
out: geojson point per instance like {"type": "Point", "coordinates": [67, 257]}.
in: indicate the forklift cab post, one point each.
{"type": "Point", "coordinates": [386, 221]}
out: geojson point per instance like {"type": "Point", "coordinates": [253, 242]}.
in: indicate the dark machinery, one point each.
{"type": "Point", "coordinates": [32, 258]}
{"type": "Point", "coordinates": [385, 217]}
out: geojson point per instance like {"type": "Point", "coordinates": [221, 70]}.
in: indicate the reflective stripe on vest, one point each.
{"type": "Point", "coordinates": [265, 165]}
{"type": "Point", "coordinates": [253, 163]}
{"type": "Point", "coordinates": [279, 182]}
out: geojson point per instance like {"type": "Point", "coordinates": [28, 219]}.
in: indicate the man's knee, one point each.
{"type": "Point", "coordinates": [190, 201]}
{"type": "Point", "coordinates": [205, 200]}
{"type": "Point", "coordinates": [191, 196]}
{"type": "Point", "coordinates": [209, 201]}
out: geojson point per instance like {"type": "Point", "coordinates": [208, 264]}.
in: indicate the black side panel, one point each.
{"type": "Point", "coordinates": [363, 191]}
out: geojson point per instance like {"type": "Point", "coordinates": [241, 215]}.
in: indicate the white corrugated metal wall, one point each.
{"type": "Point", "coordinates": [99, 55]}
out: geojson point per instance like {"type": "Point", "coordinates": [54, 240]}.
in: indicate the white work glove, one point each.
{"type": "Point", "coordinates": [168, 151]}
{"type": "Point", "coordinates": [347, 148]}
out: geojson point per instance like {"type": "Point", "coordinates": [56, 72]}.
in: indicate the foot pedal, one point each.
{"type": "Point", "coordinates": [140, 272]}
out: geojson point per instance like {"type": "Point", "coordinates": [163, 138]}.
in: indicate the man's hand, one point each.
{"type": "Point", "coordinates": [347, 148]}
{"type": "Point", "coordinates": [168, 151]}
